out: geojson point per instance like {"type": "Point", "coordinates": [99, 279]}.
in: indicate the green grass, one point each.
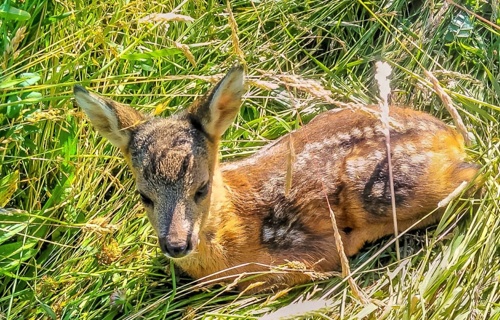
{"type": "Point", "coordinates": [74, 241]}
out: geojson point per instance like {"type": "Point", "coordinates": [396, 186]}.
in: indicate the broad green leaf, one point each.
{"type": "Point", "coordinates": [33, 97]}
{"type": "Point", "coordinates": [8, 232]}
{"type": "Point", "coordinates": [9, 83]}
{"type": "Point", "coordinates": [12, 254]}
{"type": "Point", "coordinates": [29, 79]}
{"type": "Point", "coordinates": [9, 12]}
{"type": "Point", "coordinates": [48, 310]}
{"type": "Point", "coordinates": [13, 111]}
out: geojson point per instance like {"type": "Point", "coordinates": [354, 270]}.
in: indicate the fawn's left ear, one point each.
{"type": "Point", "coordinates": [113, 120]}
{"type": "Point", "coordinates": [216, 110]}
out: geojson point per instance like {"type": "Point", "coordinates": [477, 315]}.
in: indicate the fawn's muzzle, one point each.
{"type": "Point", "coordinates": [175, 249]}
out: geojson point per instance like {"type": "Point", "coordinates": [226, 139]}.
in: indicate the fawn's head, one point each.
{"type": "Point", "coordinates": [173, 159]}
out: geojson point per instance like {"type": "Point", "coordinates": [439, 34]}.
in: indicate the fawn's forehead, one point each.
{"type": "Point", "coordinates": [167, 149]}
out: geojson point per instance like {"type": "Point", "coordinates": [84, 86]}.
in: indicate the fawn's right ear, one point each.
{"type": "Point", "coordinates": [113, 120]}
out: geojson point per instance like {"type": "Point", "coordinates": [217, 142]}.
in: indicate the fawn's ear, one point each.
{"type": "Point", "coordinates": [216, 110]}
{"type": "Point", "coordinates": [113, 120]}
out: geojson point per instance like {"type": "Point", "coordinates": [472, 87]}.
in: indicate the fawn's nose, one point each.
{"type": "Point", "coordinates": [175, 249]}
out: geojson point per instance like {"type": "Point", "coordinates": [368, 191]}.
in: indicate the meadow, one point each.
{"type": "Point", "coordinates": [74, 240]}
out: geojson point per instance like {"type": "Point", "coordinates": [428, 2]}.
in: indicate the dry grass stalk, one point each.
{"type": "Point", "coordinates": [187, 53]}
{"type": "Point", "coordinates": [16, 41]}
{"type": "Point", "coordinates": [448, 104]}
{"type": "Point", "coordinates": [314, 88]}
{"type": "Point", "coordinates": [277, 295]}
{"type": "Point", "coordinates": [453, 195]}
{"type": "Point", "coordinates": [264, 85]}
{"type": "Point", "coordinates": [99, 225]}
{"type": "Point", "coordinates": [383, 71]}
{"type": "Point", "coordinates": [435, 19]}
{"type": "Point", "coordinates": [11, 52]}
{"type": "Point", "coordinates": [234, 33]}
{"type": "Point", "coordinates": [166, 17]}
{"type": "Point", "coordinates": [251, 287]}
{"type": "Point", "coordinates": [297, 309]}
{"type": "Point", "coordinates": [450, 76]}
{"type": "Point", "coordinates": [346, 270]}
{"type": "Point", "coordinates": [290, 159]}
{"type": "Point", "coordinates": [319, 92]}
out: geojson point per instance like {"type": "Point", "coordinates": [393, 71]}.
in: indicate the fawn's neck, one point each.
{"type": "Point", "coordinates": [226, 235]}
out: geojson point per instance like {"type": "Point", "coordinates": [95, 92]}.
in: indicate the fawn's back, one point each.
{"type": "Point", "coordinates": [274, 207]}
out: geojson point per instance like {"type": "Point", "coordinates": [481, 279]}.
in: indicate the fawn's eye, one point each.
{"type": "Point", "coordinates": [201, 192]}
{"type": "Point", "coordinates": [146, 200]}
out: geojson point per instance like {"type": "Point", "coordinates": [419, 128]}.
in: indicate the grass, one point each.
{"type": "Point", "coordinates": [74, 241]}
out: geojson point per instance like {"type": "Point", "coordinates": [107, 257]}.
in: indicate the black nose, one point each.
{"type": "Point", "coordinates": [175, 249]}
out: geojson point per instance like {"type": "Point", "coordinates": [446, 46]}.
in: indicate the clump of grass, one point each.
{"type": "Point", "coordinates": [74, 243]}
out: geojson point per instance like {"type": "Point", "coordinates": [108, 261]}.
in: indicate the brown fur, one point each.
{"type": "Point", "coordinates": [246, 221]}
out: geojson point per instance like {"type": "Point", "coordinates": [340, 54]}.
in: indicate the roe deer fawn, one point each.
{"type": "Point", "coordinates": [237, 216]}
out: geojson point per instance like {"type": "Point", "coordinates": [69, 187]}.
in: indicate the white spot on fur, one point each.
{"type": "Point", "coordinates": [355, 167]}
{"type": "Point", "coordinates": [411, 148]}
{"type": "Point", "coordinates": [282, 235]}
{"type": "Point", "coordinates": [356, 133]}
{"type": "Point", "coordinates": [313, 154]}
{"type": "Point", "coordinates": [398, 149]}
{"type": "Point", "coordinates": [404, 168]}
{"type": "Point", "coordinates": [423, 126]}
{"type": "Point", "coordinates": [420, 158]}
{"type": "Point", "coordinates": [267, 233]}
{"type": "Point", "coordinates": [343, 136]}
{"type": "Point", "coordinates": [377, 190]}
{"type": "Point", "coordinates": [368, 132]}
